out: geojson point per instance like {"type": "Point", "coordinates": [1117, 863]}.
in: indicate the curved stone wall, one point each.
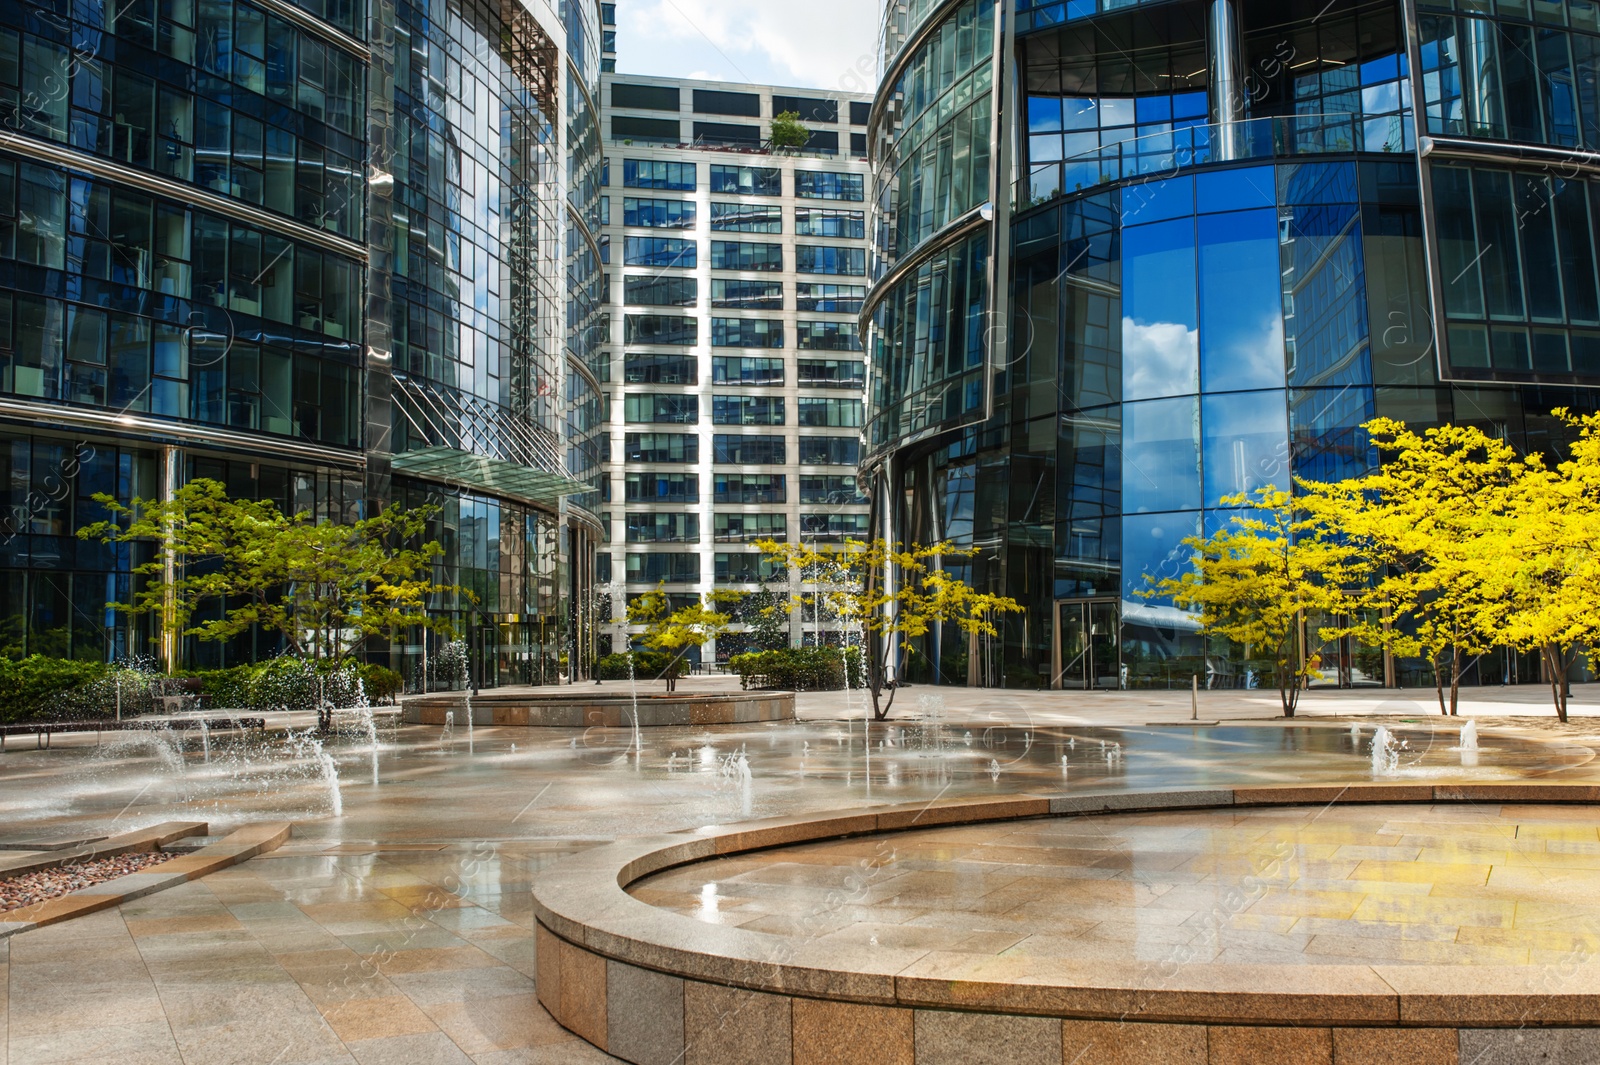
{"type": "Point", "coordinates": [648, 985]}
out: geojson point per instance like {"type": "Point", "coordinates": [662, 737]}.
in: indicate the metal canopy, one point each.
{"type": "Point", "coordinates": [492, 476]}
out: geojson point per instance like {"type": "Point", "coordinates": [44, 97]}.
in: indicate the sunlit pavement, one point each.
{"type": "Point", "coordinates": [401, 929]}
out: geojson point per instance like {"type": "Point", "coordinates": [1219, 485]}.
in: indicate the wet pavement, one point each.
{"type": "Point", "coordinates": [400, 929]}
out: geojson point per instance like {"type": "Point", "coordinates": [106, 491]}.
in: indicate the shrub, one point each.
{"type": "Point", "coordinates": [39, 688]}
{"type": "Point", "coordinates": [799, 668]}
{"type": "Point", "coordinates": [647, 665]}
{"type": "Point", "coordinates": [380, 682]}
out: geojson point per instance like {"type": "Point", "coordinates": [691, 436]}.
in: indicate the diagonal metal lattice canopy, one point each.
{"type": "Point", "coordinates": [493, 476]}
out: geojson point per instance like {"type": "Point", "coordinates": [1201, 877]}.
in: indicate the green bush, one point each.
{"type": "Point", "coordinates": [647, 665]}
{"type": "Point", "coordinates": [804, 669]}
{"type": "Point", "coordinates": [39, 688]}
{"type": "Point", "coordinates": [381, 682]}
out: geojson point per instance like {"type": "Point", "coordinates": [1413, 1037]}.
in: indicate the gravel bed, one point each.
{"type": "Point", "coordinates": [30, 888]}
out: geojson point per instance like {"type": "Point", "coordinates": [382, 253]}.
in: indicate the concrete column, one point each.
{"type": "Point", "coordinates": [171, 480]}
{"type": "Point", "coordinates": [1227, 80]}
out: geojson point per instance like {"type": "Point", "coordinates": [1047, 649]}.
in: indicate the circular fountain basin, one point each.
{"type": "Point", "coordinates": [585, 709]}
{"type": "Point", "coordinates": [1407, 922]}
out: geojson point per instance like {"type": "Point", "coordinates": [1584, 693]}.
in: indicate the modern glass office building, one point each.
{"type": "Point", "coordinates": [335, 253]}
{"type": "Point", "coordinates": [1134, 258]}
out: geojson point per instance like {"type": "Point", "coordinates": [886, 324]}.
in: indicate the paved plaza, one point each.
{"type": "Point", "coordinates": [402, 928]}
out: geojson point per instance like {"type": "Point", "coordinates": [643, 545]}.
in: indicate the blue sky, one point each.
{"type": "Point", "coordinates": [822, 44]}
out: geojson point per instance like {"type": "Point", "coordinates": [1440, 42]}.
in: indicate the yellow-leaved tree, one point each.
{"type": "Point", "coordinates": [894, 593]}
{"type": "Point", "coordinates": [675, 631]}
{"type": "Point", "coordinates": [1414, 552]}
{"type": "Point", "coordinates": [1252, 583]}
{"type": "Point", "coordinates": [1545, 574]}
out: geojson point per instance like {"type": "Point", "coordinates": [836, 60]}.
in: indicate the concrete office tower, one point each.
{"type": "Point", "coordinates": [1193, 246]}
{"type": "Point", "coordinates": [737, 274]}
{"type": "Point", "coordinates": [331, 253]}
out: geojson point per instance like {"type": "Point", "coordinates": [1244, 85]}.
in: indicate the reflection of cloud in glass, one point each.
{"type": "Point", "coordinates": [1250, 349]}
{"type": "Point", "coordinates": [1159, 359]}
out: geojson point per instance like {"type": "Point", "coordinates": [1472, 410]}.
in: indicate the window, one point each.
{"type": "Point", "coordinates": [743, 568]}
{"type": "Point", "coordinates": [829, 451]}
{"type": "Point", "coordinates": [727, 135]}
{"type": "Point", "coordinates": [660, 214]}
{"type": "Point", "coordinates": [829, 413]}
{"type": "Point", "coordinates": [815, 259]}
{"type": "Point", "coordinates": [749, 488]}
{"type": "Point", "coordinates": [644, 97]}
{"type": "Point", "coordinates": [858, 145]}
{"type": "Point", "coordinates": [830, 488]}
{"type": "Point", "coordinates": [749, 450]}
{"type": "Point", "coordinates": [828, 336]}
{"type": "Point", "coordinates": [664, 528]}
{"type": "Point", "coordinates": [746, 180]}
{"type": "Point", "coordinates": [746, 218]}
{"type": "Point", "coordinates": [831, 373]}
{"type": "Point", "coordinates": [664, 567]}
{"type": "Point", "coordinates": [661, 291]}
{"type": "Point", "coordinates": [648, 130]}
{"type": "Point", "coordinates": [661, 447]}
{"type": "Point", "coordinates": [663, 488]}
{"type": "Point", "coordinates": [717, 102]}
{"type": "Point", "coordinates": [860, 111]}
{"type": "Point", "coordinates": [808, 108]}
{"type": "Point", "coordinates": [661, 329]}
{"type": "Point", "coordinates": [747, 295]}
{"type": "Point", "coordinates": [833, 526]}
{"type": "Point", "coordinates": [823, 142]}
{"type": "Point", "coordinates": [834, 299]}
{"type": "Point", "coordinates": [746, 333]}
{"type": "Point", "coordinates": [658, 174]}
{"type": "Point", "coordinates": [670, 409]}
{"type": "Point", "coordinates": [659, 369]}
{"type": "Point", "coordinates": [739, 370]}
{"type": "Point", "coordinates": [822, 222]}
{"type": "Point", "coordinates": [743, 528]}
{"type": "Point", "coordinates": [658, 251]}
{"type": "Point", "coordinates": [740, 255]}
{"type": "Point", "coordinates": [747, 410]}
{"type": "Point", "coordinates": [823, 185]}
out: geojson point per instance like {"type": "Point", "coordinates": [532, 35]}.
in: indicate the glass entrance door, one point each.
{"type": "Point", "coordinates": [1088, 646]}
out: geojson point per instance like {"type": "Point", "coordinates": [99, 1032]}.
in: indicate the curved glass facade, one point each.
{"type": "Point", "coordinates": [1200, 306]}
{"type": "Point", "coordinates": [320, 267]}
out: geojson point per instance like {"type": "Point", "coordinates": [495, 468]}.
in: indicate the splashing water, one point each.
{"type": "Point", "coordinates": [1355, 734]}
{"type": "Point", "coordinates": [1063, 767]}
{"type": "Point", "coordinates": [205, 740]}
{"type": "Point", "coordinates": [1385, 752]}
{"type": "Point", "coordinates": [994, 770]}
{"type": "Point", "coordinates": [1469, 736]}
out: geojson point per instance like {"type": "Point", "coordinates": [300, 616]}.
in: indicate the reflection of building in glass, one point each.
{"type": "Point", "coordinates": [316, 255]}
{"type": "Point", "coordinates": [1222, 241]}
{"type": "Point", "coordinates": [735, 370]}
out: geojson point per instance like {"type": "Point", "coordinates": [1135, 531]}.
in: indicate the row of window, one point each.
{"type": "Point", "coordinates": [681, 254]}
{"type": "Point", "coordinates": [659, 528]}
{"type": "Point", "coordinates": [669, 98]}
{"type": "Point", "coordinates": [675, 409]}
{"type": "Point", "coordinates": [742, 488]}
{"type": "Point", "coordinates": [669, 290]}
{"type": "Point", "coordinates": [742, 180]}
{"type": "Point", "coordinates": [650, 368]}
{"type": "Point", "coordinates": [742, 450]}
{"type": "Point", "coordinates": [106, 232]}
{"type": "Point", "coordinates": [740, 217]}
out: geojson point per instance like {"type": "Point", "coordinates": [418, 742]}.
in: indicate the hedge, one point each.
{"type": "Point", "coordinates": [646, 665]}
{"type": "Point", "coordinates": [799, 668]}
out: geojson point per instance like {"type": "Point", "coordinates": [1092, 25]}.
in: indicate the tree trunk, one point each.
{"type": "Point", "coordinates": [1558, 675]}
{"type": "Point", "coordinates": [1438, 682]}
{"type": "Point", "coordinates": [1455, 682]}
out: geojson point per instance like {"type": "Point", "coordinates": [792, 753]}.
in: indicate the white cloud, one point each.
{"type": "Point", "coordinates": [824, 44]}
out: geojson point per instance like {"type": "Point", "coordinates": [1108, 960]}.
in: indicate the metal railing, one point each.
{"type": "Point", "coordinates": [1163, 154]}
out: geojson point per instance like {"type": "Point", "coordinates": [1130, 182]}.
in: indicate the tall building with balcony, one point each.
{"type": "Point", "coordinates": [1135, 258]}
{"type": "Point", "coordinates": [332, 253]}
{"type": "Point", "coordinates": [737, 274]}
